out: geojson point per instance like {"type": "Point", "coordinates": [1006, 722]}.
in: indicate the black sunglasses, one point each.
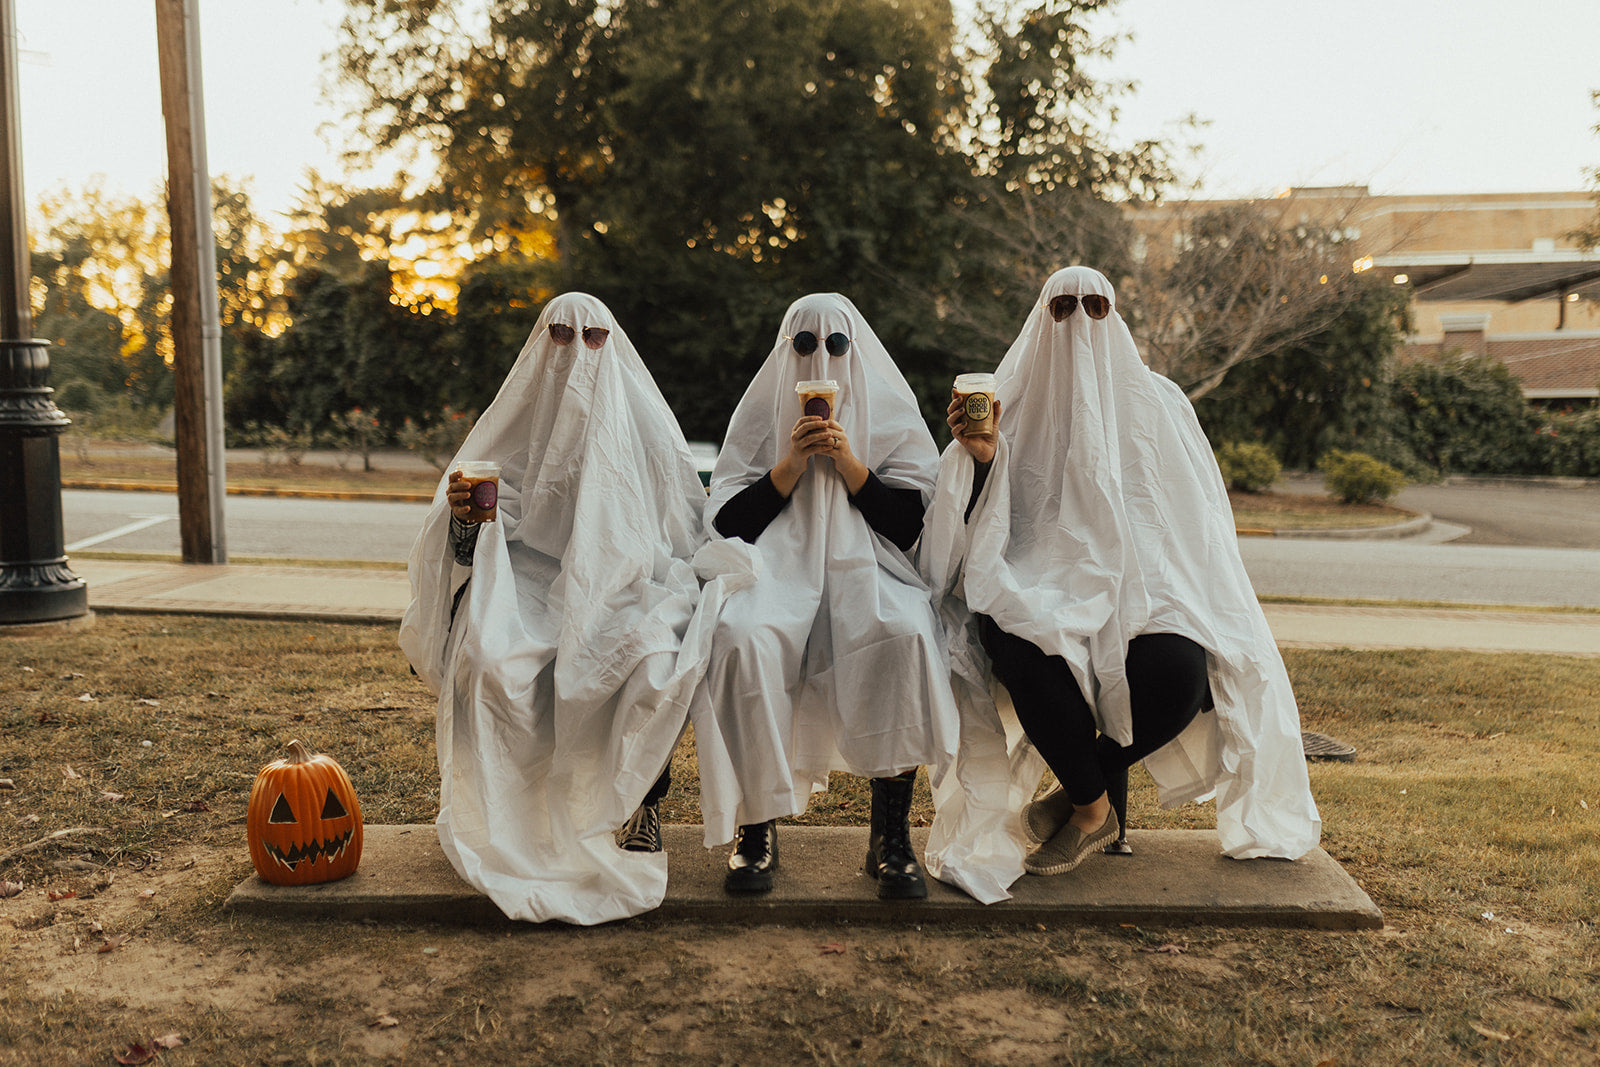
{"type": "Point", "coordinates": [1095, 305]}
{"type": "Point", "coordinates": [805, 343]}
{"type": "Point", "coordinates": [593, 336]}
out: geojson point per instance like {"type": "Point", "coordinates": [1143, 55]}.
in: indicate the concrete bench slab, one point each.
{"type": "Point", "coordinates": [1173, 877]}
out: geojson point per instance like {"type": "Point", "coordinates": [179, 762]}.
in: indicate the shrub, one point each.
{"type": "Point", "coordinates": [1357, 478]}
{"type": "Point", "coordinates": [1247, 466]}
{"type": "Point", "coordinates": [438, 438]}
{"type": "Point", "coordinates": [1574, 443]}
{"type": "Point", "coordinates": [1467, 415]}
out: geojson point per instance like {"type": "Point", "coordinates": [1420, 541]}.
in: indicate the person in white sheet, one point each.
{"type": "Point", "coordinates": [1086, 552]}
{"type": "Point", "coordinates": [566, 656]}
{"type": "Point", "coordinates": [831, 660]}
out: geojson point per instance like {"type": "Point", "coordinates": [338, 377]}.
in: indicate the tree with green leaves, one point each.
{"type": "Point", "coordinates": [704, 162]}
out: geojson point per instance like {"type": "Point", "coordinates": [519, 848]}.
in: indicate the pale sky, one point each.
{"type": "Point", "coordinates": [1407, 96]}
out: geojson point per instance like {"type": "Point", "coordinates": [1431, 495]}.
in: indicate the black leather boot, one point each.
{"type": "Point", "coordinates": [755, 857]}
{"type": "Point", "coordinates": [890, 857]}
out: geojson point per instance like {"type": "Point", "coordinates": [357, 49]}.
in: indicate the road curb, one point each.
{"type": "Point", "coordinates": [256, 490]}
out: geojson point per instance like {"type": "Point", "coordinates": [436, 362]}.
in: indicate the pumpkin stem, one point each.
{"type": "Point", "coordinates": [297, 752]}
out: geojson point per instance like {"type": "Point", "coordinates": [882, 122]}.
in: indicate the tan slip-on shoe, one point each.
{"type": "Point", "coordinates": [1070, 846]}
{"type": "Point", "coordinates": [1044, 817]}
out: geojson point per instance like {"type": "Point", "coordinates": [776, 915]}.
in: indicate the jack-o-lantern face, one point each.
{"type": "Point", "coordinates": [304, 822]}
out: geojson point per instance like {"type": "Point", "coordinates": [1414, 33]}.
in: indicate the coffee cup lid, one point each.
{"type": "Point", "coordinates": [975, 381]}
{"type": "Point", "coordinates": [817, 385]}
{"type": "Point", "coordinates": [478, 468]}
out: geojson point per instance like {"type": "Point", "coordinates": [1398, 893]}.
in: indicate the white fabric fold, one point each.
{"type": "Point", "coordinates": [830, 658]}
{"type": "Point", "coordinates": [1104, 517]}
{"type": "Point", "coordinates": [565, 678]}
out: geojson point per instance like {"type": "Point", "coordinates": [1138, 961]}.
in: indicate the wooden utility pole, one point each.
{"type": "Point", "coordinates": [196, 335]}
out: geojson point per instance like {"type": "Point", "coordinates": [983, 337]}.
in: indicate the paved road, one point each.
{"type": "Point", "coordinates": [289, 528]}
{"type": "Point", "coordinates": [278, 527]}
{"type": "Point", "coordinates": [1400, 570]}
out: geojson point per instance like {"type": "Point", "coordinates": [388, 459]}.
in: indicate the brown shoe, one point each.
{"type": "Point", "coordinates": [1070, 846]}
{"type": "Point", "coordinates": [1042, 818]}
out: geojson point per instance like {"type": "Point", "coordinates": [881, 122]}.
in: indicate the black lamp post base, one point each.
{"type": "Point", "coordinates": [40, 592]}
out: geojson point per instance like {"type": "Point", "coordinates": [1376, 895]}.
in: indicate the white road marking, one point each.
{"type": "Point", "coordinates": [144, 523]}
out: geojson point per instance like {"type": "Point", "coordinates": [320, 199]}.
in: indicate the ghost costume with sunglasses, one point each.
{"type": "Point", "coordinates": [565, 665]}
{"type": "Point", "coordinates": [831, 660]}
{"type": "Point", "coordinates": [1086, 558]}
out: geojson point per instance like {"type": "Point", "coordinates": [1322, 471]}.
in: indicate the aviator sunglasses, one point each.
{"type": "Point", "coordinates": [805, 343]}
{"type": "Point", "coordinates": [1094, 305]}
{"type": "Point", "coordinates": [593, 336]}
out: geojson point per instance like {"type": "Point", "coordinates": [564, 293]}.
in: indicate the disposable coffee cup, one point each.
{"type": "Point", "coordinates": [483, 482]}
{"type": "Point", "coordinates": [818, 397]}
{"type": "Point", "coordinates": [976, 393]}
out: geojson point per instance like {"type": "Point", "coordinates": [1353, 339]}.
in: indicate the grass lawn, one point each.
{"type": "Point", "coordinates": [1470, 816]}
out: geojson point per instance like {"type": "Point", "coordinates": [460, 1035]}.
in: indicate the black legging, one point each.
{"type": "Point", "coordinates": [1167, 688]}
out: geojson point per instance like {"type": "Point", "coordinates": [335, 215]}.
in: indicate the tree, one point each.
{"type": "Point", "coordinates": [1242, 282]}
{"type": "Point", "coordinates": [100, 267]}
{"type": "Point", "coordinates": [704, 162]}
{"type": "Point", "coordinates": [1331, 390]}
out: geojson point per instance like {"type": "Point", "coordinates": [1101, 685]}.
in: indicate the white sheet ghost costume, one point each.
{"type": "Point", "coordinates": [1103, 517]}
{"type": "Point", "coordinates": [831, 660]}
{"type": "Point", "coordinates": [565, 678]}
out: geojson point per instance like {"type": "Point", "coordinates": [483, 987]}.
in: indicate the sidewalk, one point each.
{"type": "Point", "coordinates": [372, 595]}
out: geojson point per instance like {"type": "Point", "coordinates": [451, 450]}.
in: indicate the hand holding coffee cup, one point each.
{"type": "Point", "coordinates": [973, 414]}
{"type": "Point", "coordinates": [474, 491]}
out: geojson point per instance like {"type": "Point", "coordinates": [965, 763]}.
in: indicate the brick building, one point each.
{"type": "Point", "coordinates": [1494, 273]}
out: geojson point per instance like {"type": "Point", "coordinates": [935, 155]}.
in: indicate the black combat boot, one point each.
{"type": "Point", "coordinates": [890, 858]}
{"type": "Point", "coordinates": [755, 857]}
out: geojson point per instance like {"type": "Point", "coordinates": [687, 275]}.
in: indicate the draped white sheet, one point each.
{"type": "Point", "coordinates": [831, 660]}
{"type": "Point", "coordinates": [565, 680]}
{"type": "Point", "coordinates": [1104, 517]}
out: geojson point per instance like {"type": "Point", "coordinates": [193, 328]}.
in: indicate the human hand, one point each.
{"type": "Point", "coordinates": [811, 436]}
{"type": "Point", "coordinates": [981, 446]}
{"type": "Point", "coordinates": [851, 469]}
{"type": "Point", "coordinates": [458, 494]}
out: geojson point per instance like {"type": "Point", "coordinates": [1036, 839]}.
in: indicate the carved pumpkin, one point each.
{"type": "Point", "coordinates": [304, 822]}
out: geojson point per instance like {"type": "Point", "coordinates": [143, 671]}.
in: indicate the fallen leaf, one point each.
{"type": "Point", "coordinates": [213, 694]}
{"type": "Point", "coordinates": [112, 943]}
{"type": "Point", "coordinates": [1489, 915]}
{"type": "Point", "coordinates": [6, 783]}
{"type": "Point", "coordinates": [27, 670]}
{"type": "Point", "coordinates": [384, 1022]}
{"type": "Point", "coordinates": [112, 797]}
{"type": "Point", "coordinates": [69, 676]}
{"type": "Point", "coordinates": [831, 948]}
{"type": "Point", "coordinates": [136, 1053]}
{"type": "Point", "coordinates": [1169, 949]}
{"type": "Point", "coordinates": [68, 772]}
{"type": "Point", "coordinates": [27, 820]}
{"type": "Point", "coordinates": [96, 928]}
{"type": "Point", "coordinates": [169, 1041]}
{"type": "Point", "coordinates": [86, 697]}
{"type": "Point", "coordinates": [10, 889]}
{"type": "Point", "coordinates": [1498, 1035]}
{"type": "Point", "coordinates": [1584, 804]}
{"type": "Point", "coordinates": [147, 702]}
{"type": "Point", "coordinates": [148, 893]}
{"type": "Point", "coordinates": [196, 805]}
{"type": "Point", "coordinates": [66, 894]}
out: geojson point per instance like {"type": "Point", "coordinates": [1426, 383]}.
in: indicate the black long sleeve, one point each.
{"type": "Point", "coordinates": [752, 510]}
{"type": "Point", "coordinates": [979, 478]}
{"type": "Point", "coordinates": [895, 513]}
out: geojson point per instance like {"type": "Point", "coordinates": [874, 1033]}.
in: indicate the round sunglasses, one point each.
{"type": "Point", "coordinates": [805, 343]}
{"type": "Point", "coordinates": [593, 336]}
{"type": "Point", "coordinates": [1094, 305]}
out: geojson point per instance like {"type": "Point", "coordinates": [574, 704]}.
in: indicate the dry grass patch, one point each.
{"type": "Point", "coordinates": [1445, 818]}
